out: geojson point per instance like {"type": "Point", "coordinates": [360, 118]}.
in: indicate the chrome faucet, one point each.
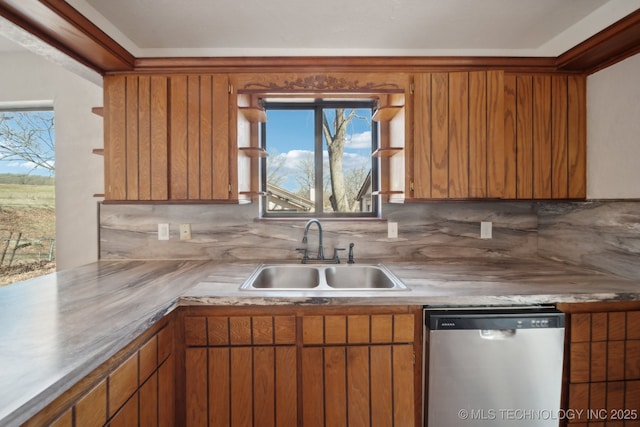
{"type": "Point", "coordinates": [320, 256]}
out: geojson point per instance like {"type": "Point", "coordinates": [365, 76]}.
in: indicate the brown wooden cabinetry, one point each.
{"type": "Point", "coordinates": [603, 375]}
{"type": "Point", "coordinates": [302, 366]}
{"type": "Point", "coordinates": [167, 138]}
{"type": "Point", "coordinates": [545, 136]}
{"type": "Point", "coordinates": [457, 150]}
{"type": "Point", "coordinates": [136, 391]}
{"type": "Point", "coordinates": [240, 370]}
{"type": "Point", "coordinates": [358, 370]}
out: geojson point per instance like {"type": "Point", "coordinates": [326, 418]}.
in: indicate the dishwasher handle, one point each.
{"type": "Point", "coordinates": [497, 334]}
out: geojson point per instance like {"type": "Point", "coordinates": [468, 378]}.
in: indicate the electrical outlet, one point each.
{"type": "Point", "coordinates": [486, 229]}
{"type": "Point", "coordinates": [392, 230]}
{"type": "Point", "coordinates": [163, 231]}
{"type": "Point", "coordinates": [185, 231]}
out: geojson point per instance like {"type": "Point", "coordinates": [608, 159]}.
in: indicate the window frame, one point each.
{"type": "Point", "coordinates": [317, 106]}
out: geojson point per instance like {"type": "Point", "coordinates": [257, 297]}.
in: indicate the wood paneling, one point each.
{"type": "Point", "coordinates": [524, 137]}
{"type": "Point", "coordinates": [91, 410]}
{"type": "Point", "coordinates": [159, 163]}
{"type": "Point", "coordinates": [603, 367]}
{"type": "Point", "coordinates": [496, 146]}
{"type": "Point", "coordinates": [577, 136]}
{"type": "Point", "coordinates": [299, 368]}
{"type": "Point", "coordinates": [559, 140]}
{"type": "Point", "coordinates": [544, 125]}
{"type": "Point", "coordinates": [419, 155]}
{"type": "Point", "coordinates": [166, 138]}
{"type": "Point", "coordinates": [244, 373]}
{"type": "Point", "coordinates": [135, 387]}
{"type": "Point", "coordinates": [458, 140]}
{"type": "Point", "coordinates": [510, 137]}
{"type": "Point", "coordinates": [115, 138]}
{"type": "Point", "coordinates": [459, 136]}
{"type": "Point", "coordinates": [541, 137]}
{"type": "Point", "coordinates": [440, 135]}
{"type": "Point", "coordinates": [477, 135]}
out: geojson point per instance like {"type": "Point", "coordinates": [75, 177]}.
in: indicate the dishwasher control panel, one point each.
{"type": "Point", "coordinates": [543, 318]}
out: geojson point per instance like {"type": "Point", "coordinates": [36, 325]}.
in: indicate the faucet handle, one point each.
{"type": "Point", "coordinates": [336, 258]}
{"type": "Point", "coordinates": [305, 254]}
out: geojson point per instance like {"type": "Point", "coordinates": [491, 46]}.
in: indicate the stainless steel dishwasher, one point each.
{"type": "Point", "coordinates": [493, 367]}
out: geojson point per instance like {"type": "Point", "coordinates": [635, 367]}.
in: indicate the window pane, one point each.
{"type": "Point", "coordinates": [290, 164]}
{"type": "Point", "coordinates": [348, 158]}
{"type": "Point", "coordinates": [319, 159]}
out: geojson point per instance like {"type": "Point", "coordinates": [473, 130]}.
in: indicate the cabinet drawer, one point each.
{"type": "Point", "coordinates": [201, 331]}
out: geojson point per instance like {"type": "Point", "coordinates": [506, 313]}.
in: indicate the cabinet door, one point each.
{"type": "Point", "coordinates": [358, 385]}
{"type": "Point", "coordinates": [358, 370]}
{"type": "Point", "coordinates": [167, 138]}
{"type": "Point", "coordinates": [199, 138]}
{"type": "Point", "coordinates": [458, 142]}
{"type": "Point", "coordinates": [245, 376]}
{"type": "Point", "coordinates": [545, 136]}
{"type": "Point", "coordinates": [135, 137]}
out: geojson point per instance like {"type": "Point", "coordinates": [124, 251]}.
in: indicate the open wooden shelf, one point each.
{"type": "Point", "coordinates": [98, 195]}
{"type": "Point", "coordinates": [98, 151]}
{"type": "Point", "coordinates": [386, 192]}
{"type": "Point", "coordinates": [254, 114]}
{"type": "Point", "coordinates": [98, 110]}
{"type": "Point", "coordinates": [253, 151]}
{"type": "Point", "coordinates": [387, 152]}
{"type": "Point", "coordinates": [253, 193]}
{"type": "Point", "coordinates": [384, 114]}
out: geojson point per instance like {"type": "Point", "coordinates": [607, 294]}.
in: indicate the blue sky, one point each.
{"type": "Point", "coordinates": [20, 166]}
{"type": "Point", "coordinates": [290, 134]}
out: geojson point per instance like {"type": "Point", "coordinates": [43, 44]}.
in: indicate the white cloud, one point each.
{"type": "Point", "coordinates": [359, 141]}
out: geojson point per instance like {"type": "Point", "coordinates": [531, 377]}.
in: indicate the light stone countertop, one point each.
{"type": "Point", "coordinates": [56, 329]}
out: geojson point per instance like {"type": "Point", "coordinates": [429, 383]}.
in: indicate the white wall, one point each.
{"type": "Point", "coordinates": [613, 131]}
{"type": "Point", "coordinates": [79, 173]}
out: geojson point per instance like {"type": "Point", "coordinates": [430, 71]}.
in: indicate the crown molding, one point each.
{"type": "Point", "coordinates": [58, 24]}
{"type": "Point", "coordinates": [611, 45]}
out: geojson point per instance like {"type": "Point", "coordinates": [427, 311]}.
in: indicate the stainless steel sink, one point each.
{"type": "Point", "coordinates": [342, 277]}
{"type": "Point", "coordinates": [283, 277]}
{"type": "Point", "coordinates": [360, 276]}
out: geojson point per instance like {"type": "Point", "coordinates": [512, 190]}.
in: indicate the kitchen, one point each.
{"type": "Point", "coordinates": [598, 234]}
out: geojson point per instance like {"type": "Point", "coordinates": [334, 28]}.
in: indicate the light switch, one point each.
{"type": "Point", "coordinates": [163, 231]}
{"type": "Point", "coordinates": [486, 229]}
{"type": "Point", "coordinates": [392, 230]}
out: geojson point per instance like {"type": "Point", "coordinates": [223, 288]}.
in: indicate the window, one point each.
{"type": "Point", "coordinates": [27, 193]}
{"type": "Point", "coordinates": [319, 159]}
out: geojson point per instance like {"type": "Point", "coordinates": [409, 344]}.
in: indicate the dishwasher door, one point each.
{"type": "Point", "coordinates": [494, 367]}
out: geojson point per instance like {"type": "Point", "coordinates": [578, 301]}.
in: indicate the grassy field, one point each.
{"type": "Point", "coordinates": [30, 210]}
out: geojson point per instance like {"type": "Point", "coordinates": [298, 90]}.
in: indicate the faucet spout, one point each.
{"type": "Point", "coordinates": [306, 231]}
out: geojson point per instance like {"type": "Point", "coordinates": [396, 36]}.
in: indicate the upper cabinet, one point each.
{"type": "Point", "coordinates": [457, 147]}
{"type": "Point", "coordinates": [167, 138]}
{"type": "Point", "coordinates": [464, 135]}
{"type": "Point", "coordinates": [496, 135]}
{"type": "Point", "coordinates": [545, 136]}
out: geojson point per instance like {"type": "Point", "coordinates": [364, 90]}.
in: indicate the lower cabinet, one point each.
{"type": "Point", "coordinates": [603, 365]}
{"type": "Point", "coordinates": [305, 366]}
{"type": "Point", "coordinates": [134, 388]}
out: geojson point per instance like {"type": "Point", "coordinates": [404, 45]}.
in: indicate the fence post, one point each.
{"type": "Point", "coordinates": [15, 248]}
{"type": "Point", "coordinates": [4, 252]}
{"type": "Point", "coordinates": [51, 249]}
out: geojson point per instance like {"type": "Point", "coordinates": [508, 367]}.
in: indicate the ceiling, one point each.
{"type": "Point", "coordinates": [166, 28]}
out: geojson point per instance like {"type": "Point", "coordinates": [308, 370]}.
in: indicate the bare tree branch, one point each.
{"type": "Point", "coordinates": [29, 137]}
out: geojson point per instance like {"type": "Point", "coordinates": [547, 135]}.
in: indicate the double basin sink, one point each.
{"type": "Point", "coordinates": [325, 277]}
